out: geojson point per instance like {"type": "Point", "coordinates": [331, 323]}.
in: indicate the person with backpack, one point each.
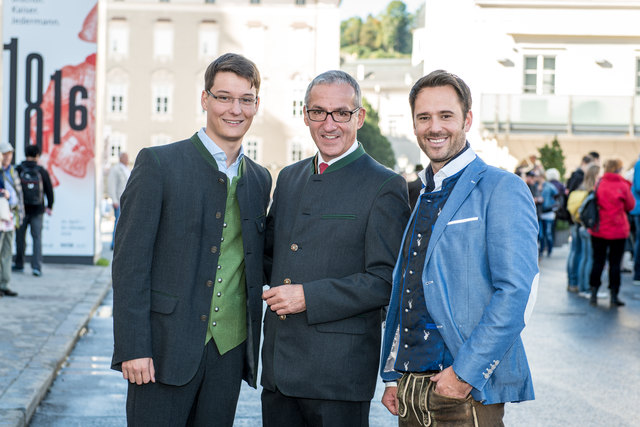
{"type": "Point", "coordinates": [36, 185]}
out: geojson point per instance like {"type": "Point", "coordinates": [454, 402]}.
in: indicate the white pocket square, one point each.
{"type": "Point", "coordinates": [460, 221]}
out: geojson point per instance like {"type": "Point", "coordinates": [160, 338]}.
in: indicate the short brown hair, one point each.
{"type": "Point", "coordinates": [233, 63]}
{"type": "Point", "coordinates": [613, 165]}
{"type": "Point", "coordinates": [439, 78]}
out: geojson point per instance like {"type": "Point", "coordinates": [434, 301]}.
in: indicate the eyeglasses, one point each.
{"type": "Point", "coordinates": [337, 116]}
{"type": "Point", "coordinates": [244, 100]}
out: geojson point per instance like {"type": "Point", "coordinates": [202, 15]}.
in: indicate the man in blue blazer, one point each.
{"type": "Point", "coordinates": [465, 280]}
{"type": "Point", "coordinates": [188, 263]}
{"type": "Point", "coordinates": [333, 233]}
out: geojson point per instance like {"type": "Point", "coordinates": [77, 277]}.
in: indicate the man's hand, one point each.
{"type": "Point", "coordinates": [115, 205]}
{"type": "Point", "coordinates": [285, 299]}
{"type": "Point", "coordinates": [139, 371]}
{"type": "Point", "coordinates": [48, 211]}
{"type": "Point", "coordinates": [390, 399]}
{"type": "Point", "coordinates": [448, 385]}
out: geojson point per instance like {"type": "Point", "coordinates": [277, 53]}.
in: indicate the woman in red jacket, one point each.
{"type": "Point", "coordinates": [614, 201]}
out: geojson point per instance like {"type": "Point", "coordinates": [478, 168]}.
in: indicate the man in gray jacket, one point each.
{"type": "Point", "coordinates": [333, 232]}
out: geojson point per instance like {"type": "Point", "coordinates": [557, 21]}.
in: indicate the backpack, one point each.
{"type": "Point", "coordinates": [588, 211]}
{"type": "Point", "coordinates": [32, 188]}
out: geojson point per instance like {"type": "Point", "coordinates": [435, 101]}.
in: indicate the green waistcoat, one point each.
{"type": "Point", "coordinates": [228, 312]}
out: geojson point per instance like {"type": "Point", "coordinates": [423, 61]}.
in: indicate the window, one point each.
{"type": "Point", "coordinates": [117, 145]}
{"type": "Point", "coordinates": [163, 40]}
{"type": "Point", "coordinates": [116, 99]}
{"type": "Point", "coordinates": [118, 44]}
{"type": "Point", "coordinates": [295, 151]}
{"type": "Point", "coordinates": [208, 40]}
{"type": "Point", "coordinates": [298, 103]}
{"type": "Point", "coordinates": [539, 74]}
{"type": "Point", "coordinates": [162, 100]}
{"type": "Point", "coordinates": [255, 2]}
{"type": "Point", "coordinates": [252, 149]}
{"type": "Point", "coordinates": [209, 1]}
{"type": "Point", "coordinates": [160, 139]}
{"type": "Point", "coordinates": [301, 2]}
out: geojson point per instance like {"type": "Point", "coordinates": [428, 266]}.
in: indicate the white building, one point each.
{"type": "Point", "coordinates": [155, 54]}
{"type": "Point", "coordinates": [543, 68]}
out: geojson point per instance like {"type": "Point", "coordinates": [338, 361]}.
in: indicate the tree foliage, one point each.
{"type": "Point", "coordinates": [374, 143]}
{"type": "Point", "coordinates": [551, 156]}
{"type": "Point", "coordinates": [387, 35]}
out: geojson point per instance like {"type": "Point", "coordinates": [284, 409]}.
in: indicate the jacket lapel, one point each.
{"type": "Point", "coordinates": [467, 182]}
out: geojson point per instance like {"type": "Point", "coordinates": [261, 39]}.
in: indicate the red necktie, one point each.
{"type": "Point", "coordinates": [323, 166]}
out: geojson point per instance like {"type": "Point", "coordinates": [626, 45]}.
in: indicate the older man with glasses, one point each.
{"type": "Point", "coordinates": [333, 232]}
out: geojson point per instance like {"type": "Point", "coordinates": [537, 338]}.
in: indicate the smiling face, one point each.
{"type": "Point", "coordinates": [228, 123]}
{"type": "Point", "coordinates": [333, 139]}
{"type": "Point", "coordinates": [439, 125]}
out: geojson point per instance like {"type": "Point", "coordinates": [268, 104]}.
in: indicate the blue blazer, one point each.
{"type": "Point", "coordinates": [480, 279]}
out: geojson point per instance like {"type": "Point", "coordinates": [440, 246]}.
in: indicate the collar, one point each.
{"type": "Point", "coordinates": [351, 149]}
{"type": "Point", "coordinates": [218, 154]}
{"type": "Point", "coordinates": [455, 165]}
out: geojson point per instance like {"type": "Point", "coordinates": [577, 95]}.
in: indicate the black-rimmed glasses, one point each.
{"type": "Point", "coordinates": [224, 99]}
{"type": "Point", "coordinates": [337, 116]}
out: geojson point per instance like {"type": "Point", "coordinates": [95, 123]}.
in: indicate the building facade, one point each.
{"type": "Point", "coordinates": [540, 69]}
{"type": "Point", "coordinates": [156, 52]}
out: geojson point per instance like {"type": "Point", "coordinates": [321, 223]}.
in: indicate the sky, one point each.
{"type": "Point", "coordinates": [361, 8]}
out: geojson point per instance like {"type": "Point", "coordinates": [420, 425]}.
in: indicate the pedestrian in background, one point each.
{"type": "Point", "coordinates": [584, 255]}
{"type": "Point", "coordinates": [415, 187]}
{"type": "Point", "coordinates": [549, 194]}
{"type": "Point", "coordinates": [36, 187]}
{"type": "Point", "coordinates": [10, 182]}
{"type": "Point", "coordinates": [333, 233]}
{"type": "Point", "coordinates": [466, 278]}
{"type": "Point", "coordinates": [117, 180]}
{"type": "Point", "coordinates": [188, 263]}
{"type": "Point", "coordinates": [635, 216]}
{"type": "Point", "coordinates": [608, 239]}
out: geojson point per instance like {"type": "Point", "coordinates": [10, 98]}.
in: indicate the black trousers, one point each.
{"type": "Point", "coordinates": [615, 250]}
{"type": "Point", "coordinates": [209, 399]}
{"type": "Point", "coordinates": [279, 410]}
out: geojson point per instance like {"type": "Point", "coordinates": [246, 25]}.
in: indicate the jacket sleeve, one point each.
{"type": "Point", "coordinates": [339, 298]}
{"type": "Point", "coordinates": [132, 260]}
{"type": "Point", "coordinates": [512, 268]}
{"type": "Point", "coordinates": [48, 188]}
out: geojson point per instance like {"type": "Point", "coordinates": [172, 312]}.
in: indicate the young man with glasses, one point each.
{"type": "Point", "coordinates": [333, 232]}
{"type": "Point", "coordinates": [188, 263]}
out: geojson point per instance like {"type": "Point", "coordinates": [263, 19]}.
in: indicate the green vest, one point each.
{"type": "Point", "coordinates": [228, 312]}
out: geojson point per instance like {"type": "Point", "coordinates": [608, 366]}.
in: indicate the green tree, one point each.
{"type": "Point", "coordinates": [551, 156]}
{"type": "Point", "coordinates": [350, 31]}
{"type": "Point", "coordinates": [374, 143]}
{"type": "Point", "coordinates": [396, 28]}
{"type": "Point", "coordinates": [371, 34]}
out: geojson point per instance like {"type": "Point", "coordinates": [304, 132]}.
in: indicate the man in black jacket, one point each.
{"type": "Point", "coordinates": [36, 185]}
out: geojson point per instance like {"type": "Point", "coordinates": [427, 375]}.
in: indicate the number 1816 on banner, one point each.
{"type": "Point", "coordinates": [34, 74]}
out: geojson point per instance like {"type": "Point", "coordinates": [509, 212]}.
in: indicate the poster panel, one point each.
{"type": "Point", "coordinates": [49, 99]}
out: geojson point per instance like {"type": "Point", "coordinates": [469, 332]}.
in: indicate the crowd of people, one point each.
{"type": "Point", "coordinates": [26, 194]}
{"type": "Point", "coordinates": [592, 246]}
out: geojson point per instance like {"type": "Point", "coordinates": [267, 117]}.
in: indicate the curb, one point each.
{"type": "Point", "coordinates": [23, 396]}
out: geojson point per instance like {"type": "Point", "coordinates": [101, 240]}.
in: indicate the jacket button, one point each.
{"type": "Point", "coordinates": [216, 309]}
{"type": "Point", "coordinates": [209, 283]}
{"type": "Point", "coordinates": [219, 294]}
{"type": "Point", "coordinates": [214, 323]}
{"type": "Point", "coordinates": [221, 180]}
{"type": "Point", "coordinates": [294, 247]}
{"type": "Point", "coordinates": [220, 280]}
{"type": "Point", "coordinates": [287, 281]}
{"type": "Point", "coordinates": [214, 249]}
{"type": "Point", "coordinates": [218, 215]}
{"type": "Point", "coordinates": [203, 318]}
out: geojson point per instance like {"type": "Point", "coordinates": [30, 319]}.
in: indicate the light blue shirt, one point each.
{"type": "Point", "coordinates": [220, 156]}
